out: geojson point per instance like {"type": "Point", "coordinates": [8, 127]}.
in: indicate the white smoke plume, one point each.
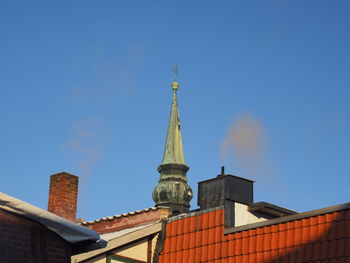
{"type": "Point", "coordinates": [245, 145]}
{"type": "Point", "coordinates": [86, 142]}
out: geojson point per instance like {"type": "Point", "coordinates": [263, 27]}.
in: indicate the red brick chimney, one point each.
{"type": "Point", "coordinates": [63, 195]}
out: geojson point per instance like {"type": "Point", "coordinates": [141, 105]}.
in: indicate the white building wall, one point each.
{"type": "Point", "coordinates": [244, 217]}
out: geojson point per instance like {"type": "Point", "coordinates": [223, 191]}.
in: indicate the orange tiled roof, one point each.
{"type": "Point", "coordinates": [200, 238]}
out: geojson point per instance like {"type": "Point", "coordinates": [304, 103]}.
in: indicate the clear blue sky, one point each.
{"type": "Point", "coordinates": [85, 88]}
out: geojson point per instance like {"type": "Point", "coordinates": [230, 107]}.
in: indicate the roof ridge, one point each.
{"type": "Point", "coordinates": [194, 213]}
{"type": "Point", "coordinates": [145, 210]}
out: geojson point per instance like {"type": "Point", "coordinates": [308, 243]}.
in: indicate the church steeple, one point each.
{"type": "Point", "coordinates": [172, 190]}
{"type": "Point", "coordinates": [173, 152]}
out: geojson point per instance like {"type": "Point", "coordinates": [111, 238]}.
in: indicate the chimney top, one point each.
{"type": "Point", "coordinates": [63, 195]}
{"type": "Point", "coordinates": [64, 174]}
{"type": "Point", "coordinates": [215, 191]}
{"type": "Point", "coordinates": [222, 171]}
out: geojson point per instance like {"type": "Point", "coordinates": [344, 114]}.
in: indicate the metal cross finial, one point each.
{"type": "Point", "coordinates": [176, 71]}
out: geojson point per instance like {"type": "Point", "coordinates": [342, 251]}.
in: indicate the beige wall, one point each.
{"type": "Point", "coordinates": [244, 217]}
{"type": "Point", "coordinates": [138, 245]}
{"type": "Point", "coordinates": [100, 259]}
{"type": "Point", "coordinates": [137, 250]}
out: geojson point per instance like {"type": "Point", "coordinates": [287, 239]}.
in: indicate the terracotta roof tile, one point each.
{"type": "Point", "coordinates": [244, 243]}
{"type": "Point", "coordinates": [200, 237]}
{"type": "Point", "coordinates": [218, 236]}
{"type": "Point", "coordinates": [186, 242]}
{"type": "Point", "coordinates": [211, 235]}
{"type": "Point", "coordinates": [231, 248]}
{"type": "Point", "coordinates": [204, 237]}
{"type": "Point", "coordinates": [197, 254]}
{"type": "Point", "coordinates": [173, 241]}
{"type": "Point", "coordinates": [191, 255]}
{"type": "Point", "coordinates": [166, 246]}
{"type": "Point", "coordinates": [238, 246]}
{"type": "Point", "coordinates": [259, 243]}
{"type": "Point", "coordinates": [192, 224]}
{"type": "Point", "coordinates": [203, 253]}
{"type": "Point", "coordinates": [186, 225]}
{"type": "Point", "coordinates": [347, 246]}
{"type": "Point", "coordinates": [179, 243]}
{"type": "Point", "coordinates": [329, 217]}
{"type": "Point", "coordinates": [180, 228]}
{"type": "Point", "coordinates": [341, 226]}
{"type": "Point", "coordinates": [347, 214]}
{"type": "Point", "coordinates": [192, 239]}
{"type": "Point", "coordinates": [282, 239]}
{"type": "Point", "coordinates": [179, 257]}
{"type": "Point", "coordinates": [164, 258]}
{"type": "Point", "coordinates": [211, 220]}
{"type": "Point", "coordinates": [223, 249]}
{"type": "Point", "coordinates": [204, 221]}
{"type": "Point", "coordinates": [340, 247]}
{"type": "Point", "coordinates": [210, 252]}
{"type": "Point", "coordinates": [185, 255]}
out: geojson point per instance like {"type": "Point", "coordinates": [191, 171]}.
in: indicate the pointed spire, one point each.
{"type": "Point", "coordinates": [173, 152]}
{"type": "Point", "coordinates": [172, 189]}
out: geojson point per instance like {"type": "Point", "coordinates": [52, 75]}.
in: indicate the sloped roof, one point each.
{"type": "Point", "coordinates": [317, 236]}
{"type": "Point", "coordinates": [71, 232]}
{"type": "Point", "coordinates": [127, 220]}
{"type": "Point", "coordinates": [113, 235]}
{"type": "Point", "coordinates": [187, 237]}
{"type": "Point", "coordinates": [146, 210]}
{"type": "Point", "coordinates": [120, 238]}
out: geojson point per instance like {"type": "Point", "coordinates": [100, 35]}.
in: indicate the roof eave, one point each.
{"type": "Point", "coordinates": [69, 231]}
